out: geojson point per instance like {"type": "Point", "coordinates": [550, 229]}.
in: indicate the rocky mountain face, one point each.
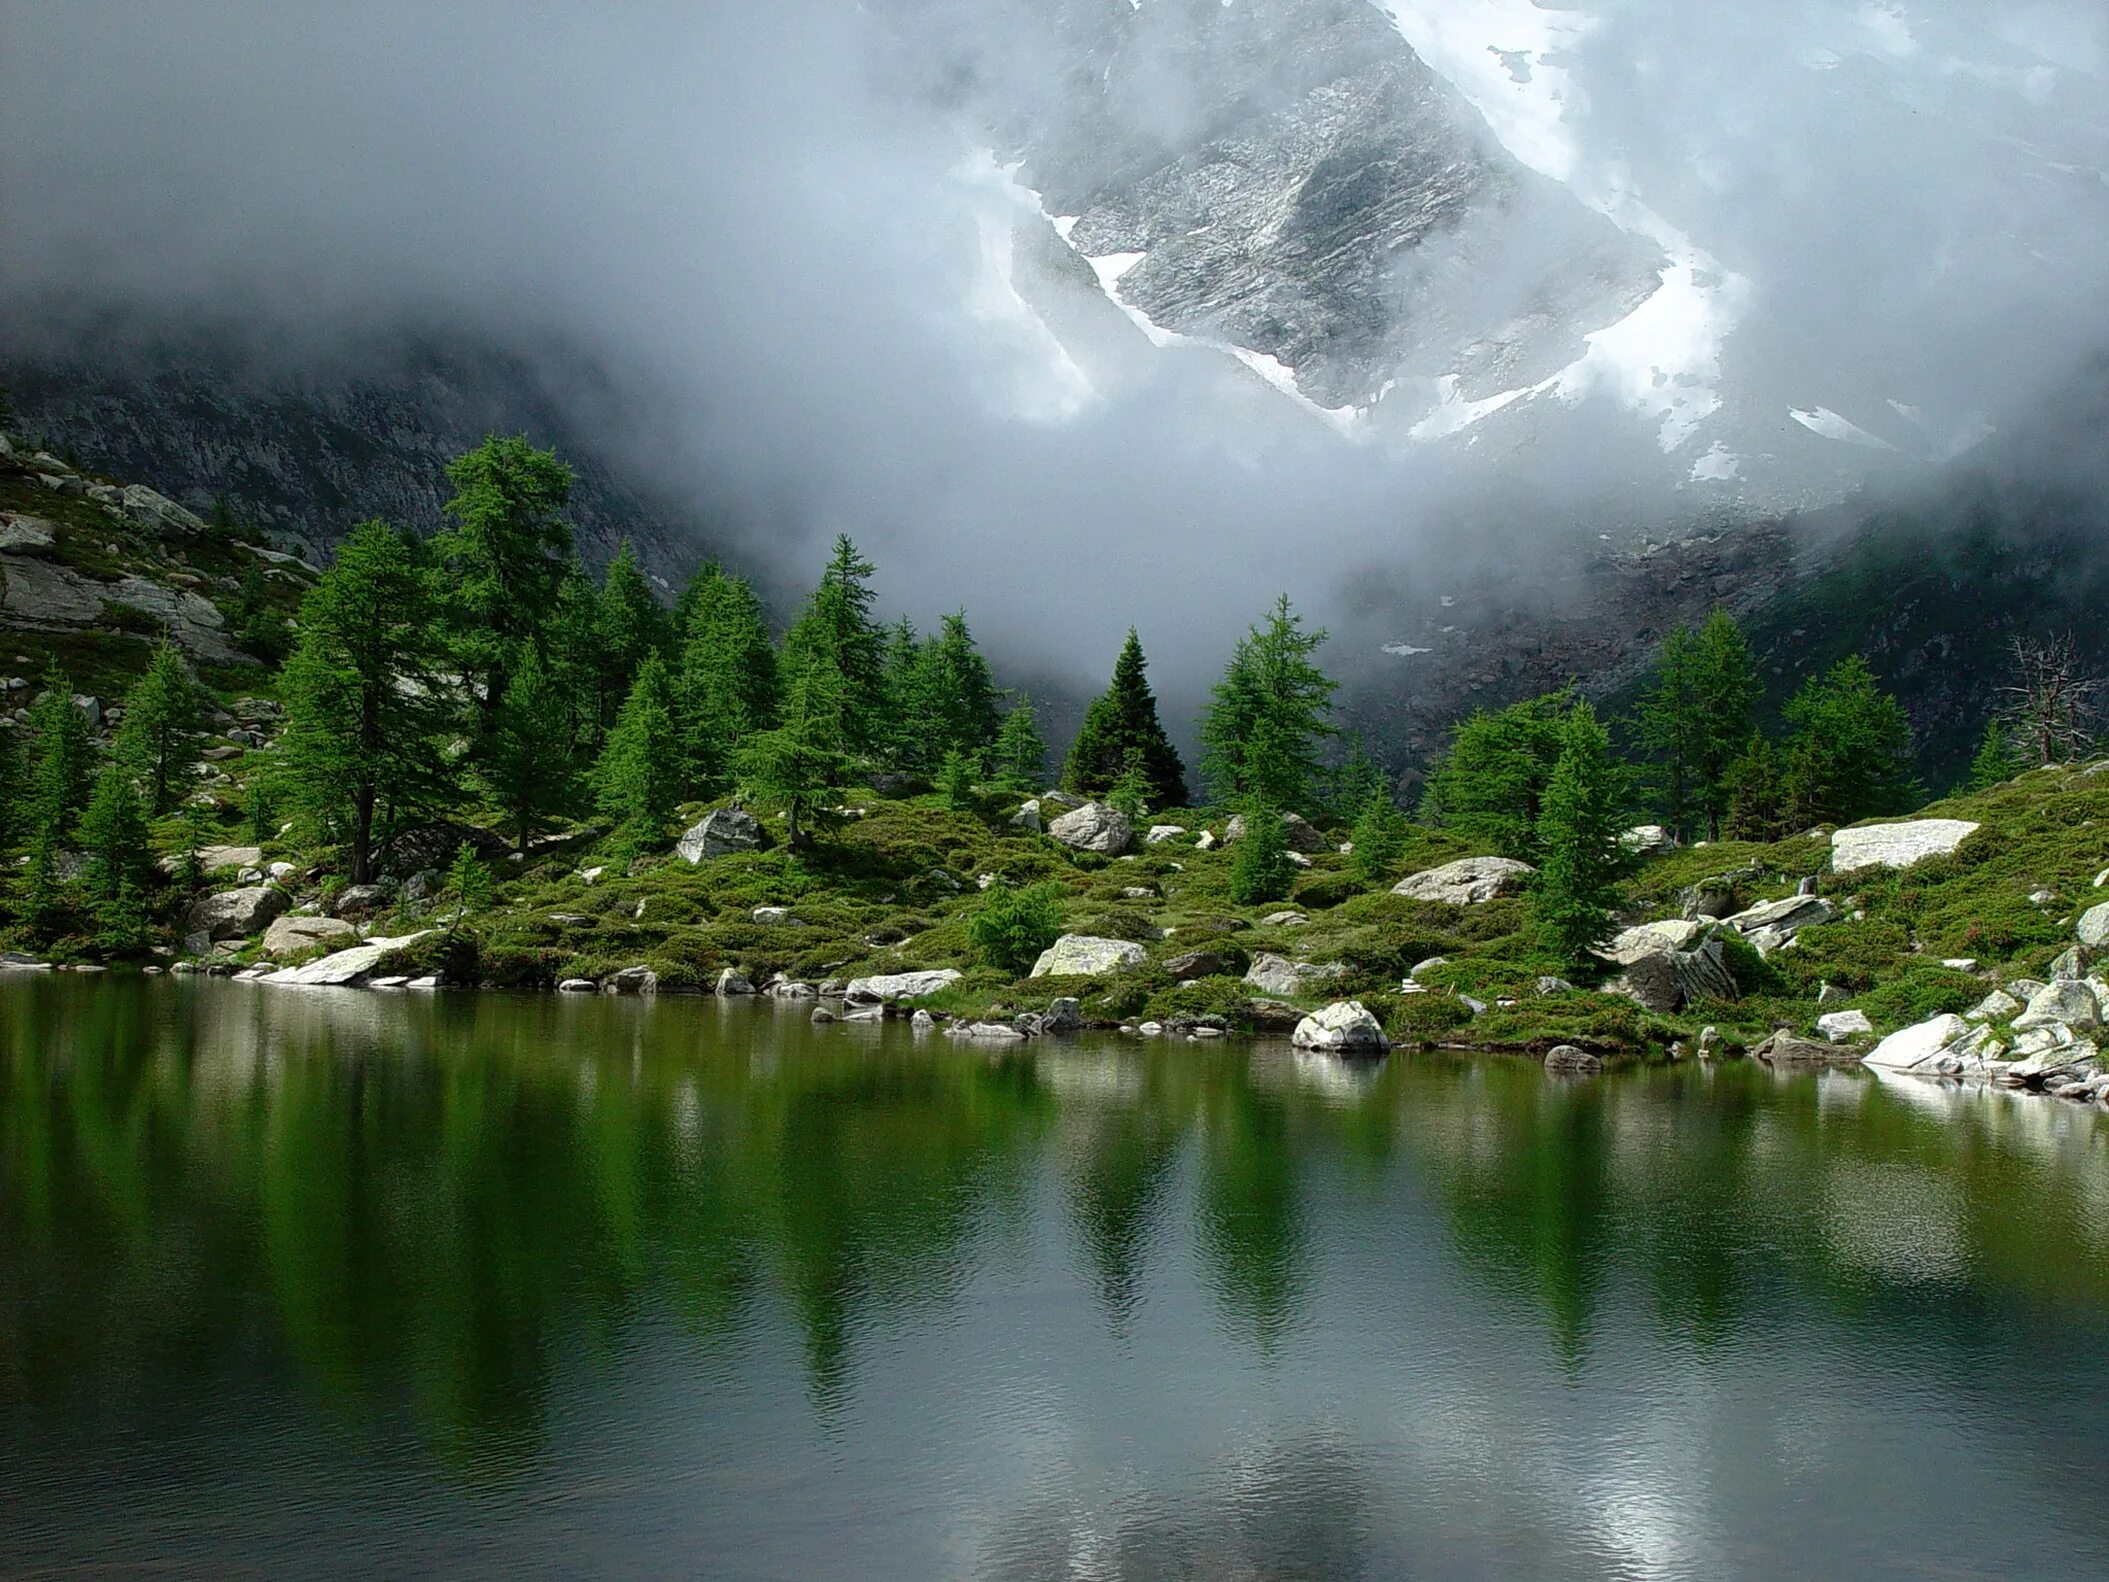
{"type": "Point", "coordinates": [305, 455]}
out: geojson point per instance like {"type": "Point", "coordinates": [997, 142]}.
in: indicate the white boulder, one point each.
{"type": "Point", "coordinates": [1086, 956]}
{"type": "Point", "coordinates": [1839, 1026]}
{"type": "Point", "coordinates": [1345, 1027]}
{"type": "Point", "coordinates": [884, 988]}
{"type": "Point", "coordinates": [1918, 1047]}
{"type": "Point", "coordinates": [719, 834]}
{"type": "Point", "coordinates": [1897, 845]}
{"type": "Point", "coordinates": [1096, 826]}
{"type": "Point", "coordinates": [349, 968]}
{"type": "Point", "coordinates": [1467, 882]}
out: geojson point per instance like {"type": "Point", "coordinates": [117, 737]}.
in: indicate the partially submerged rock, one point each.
{"type": "Point", "coordinates": [350, 968]}
{"type": "Point", "coordinates": [1572, 1061]}
{"type": "Point", "coordinates": [1918, 1047]}
{"type": "Point", "coordinates": [885, 988]}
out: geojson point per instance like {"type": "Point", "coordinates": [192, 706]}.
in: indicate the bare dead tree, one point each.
{"type": "Point", "coordinates": [2052, 703]}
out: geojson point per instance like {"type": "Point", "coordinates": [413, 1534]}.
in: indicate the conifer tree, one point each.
{"type": "Point", "coordinates": [1120, 722]}
{"type": "Point", "coordinates": [365, 708]}
{"type": "Point", "coordinates": [13, 793]}
{"type": "Point", "coordinates": [466, 888]}
{"type": "Point", "coordinates": [1576, 890]}
{"type": "Point", "coordinates": [956, 690]}
{"type": "Point", "coordinates": [1379, 836]}
{"type": "Point", "coordinates": [1271, 715]}
{"type": "Point", "coordinates": [255, 623]}
{"type": "Point", "coordinates": [637, 783]}
{"type": "Point", "coordinates": [163, 730]}
{"type": "Point", "coordinates": [836, 627]}
{"type": "Point", "coordinates": [1491, 783]}
{"type": "Point", "coordinates": [1850, 755]}
{"type": "Point", "coordinates": [1997, 760]}
{"type": "Point", "coordinates": [799, 764]}
{"type": "Point", "coordinates": [1260, 869]}
{"type": "Point", "coordinates": [504, 556]}
{"type": "Point", "coordinates": [1356, 780]}
{"type": "Point", "coordinates": [1018, 760]}
{"type": "Point", "coordinates": [956, 779]}
{"type": "Point", "coordinates": [1130, 794]}
{"type": "Point", "coordinates": [726, 689]}
{"type": "Point", "coordinates": [527, 764]}
{"type": "Point", "coordinates": [114, 840]}
{"type": "Point", "coordinates": [57, 788]}
{"type": "Point", "coordinates": [629, 624]}
{"type": "Point", "coordinates": [1696, 718]}
{"type": "Point", "coordinates": [901, 740]}
{"type": "Point", "coordinates": [1757, 800]}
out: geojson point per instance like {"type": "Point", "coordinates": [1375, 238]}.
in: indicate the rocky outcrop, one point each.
{"type": "Point", "coordinates": [42, 595]}
{"type": "Point", "coordinates": [1096, 826]}
{"type": "Point", "coordinates": [1843, 1026]}
{"type": "Point", "coordinates": [236, 914]}
{"type": "Point", "coordinates": [1085, 956]}
{"type": "Point", "coordinates": [1296, 830]}
{"type": "Point", "coordinates": [1470, 881]}
{"type": "Point", "coordinates": [1667, 979]}
{"type": "Point", "coordinates": [347, 968]}
{"type": "Point", "coordinates": [1897, 845]}
{"type": "Point", "coordinates": [719, 834]}
{"type": "Point", "coordinates": [289, 936]}
{"type": "Point", "coordinates": [1273, 974]}
{"type": "Point", "coordinates": [1345, 1027]}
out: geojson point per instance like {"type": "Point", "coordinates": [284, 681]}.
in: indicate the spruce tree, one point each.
{"type": "Point", "coordinates": [901, 742]}
{"type": "Point", "coordinates": [1997, 760]}
{"type": "Point", "coordinates": [1379, 836]}
{"type": "Point", "coordinates": [1491, 783]}
{"type": "Point", "coordinates": [1018, 760]}
{"type": "Point", "coordinates": [956, 779]}
{"type": "Point", "coordinates": [1356, 780]}
{"type": "Point", "coordinates": [114, 840]}
{"type": "Point", "coordinates": [629, 623]}
{"type": "Point", "coordinates": [637, 783]}
{"type": "Point", "coordinates": [163, 730]}
{"type": "Point", "coordinates": [255, 623]}
{"type": "Point", "coordinates": [726, 689]}
{"type": "Point", "coordinates": [574, 661]}
{"type": "Point", "coordinates": [1696, 717]}
{"type": "Point", "coordinates": [366, 711]}
{"type": "Point", "coordinates": [799, 764]}
{"type": "Point", "coordinates": [957, 691]}
{"type": "Point", "coordinates": [466, 888]}
{"type": "Point", "coordinates": [526, 763]}
{"type": "Point", "coordinates": [58, 752]}
{"type": "Point", "coordinates": [1270, 716]}
{"type": "Point", "coordinates": [504, 555]}
{"type": "Point", "coordinates": [1130, 794]}
{"type": "Point", "coordinates": [1850, 755]}
{"type": "Point", "coordinates": [1757, 800]}
{"type": "Point", "coordinates": [1120, 722]}
{"type": "Point", "coordinates": [1260, 869]}
{"type": "Point", "coordinates": [1576, 891]}
{"type": "Point", "coordinates": [836, 628]}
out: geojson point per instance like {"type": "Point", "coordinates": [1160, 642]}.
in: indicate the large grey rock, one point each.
{"type": "Point", "coordinates": [1096, 826]}
{"type": "Point", "coordinates": [884, 988]}
{"type": "Point", "coordinates": [348, 968]}
{"type": "Point", "coordinates": [24, 534]}
{"type": "Point", "coordinates": [1918, 1047]}
{"type": "Point", "coordinates": [157, 512]}
{"type": "Point", "coordinates": [1652, 939]}
{"type": "Point", "coordinates": [289, 936]}
{"type": "Point", "coordinates": [1085, 956]}
{"type": "Point", "coordinates": [1897, 845]}
{"type": "Point", "coordinates": [639, 979]}
{"type": "Point", "coordinates": [46, 596]}
{"type": "Point", "coordinates": [720, 834]}
{"type": "Point", "coordinates": [1296, 830]}
{"type": "Point", "coordinates": [732, 983]}
{"type": "Point", "coordinates": [1572, 1061]}
{"type": "Point", "coordinates": [1027, 817]}
{"type": "Point", "coordinates": [1467, 882]}
{"type": "Point", "coordinates": [2093, 926]}
{"type": "Point", "coordinates": [1787, 915]}
{"type": "Point", "coordinates": [1841, 1026]}
{"type": "Point", "coordinates": [1160, 833]}
{"type": "Point", "coordinates": [2069, 1002]}
{"type": "Point", "coordinates": [1193, 964]}
{"type": "Point", "coordinates": [359, 900]}
{"type": "Point", "coordinates": [1273, 974]}
{"type": "Point", "coordinates": [1345, 1027]}
{"type": "Point", "coordinates": [1667, 980]}
{"type": "Point", "coordinates": [1783, 1050]}
{"type": "Point", "coordinates": [235, 914]}
{"type": "Point", "coordinates": [1648, 840]}
{"type": "Point", "coordinates": [1994, 1007]}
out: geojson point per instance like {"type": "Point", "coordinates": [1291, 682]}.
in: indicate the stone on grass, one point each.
{"type": "Point", "coordinates": [1196, 964]}
{"type": "Point", "coordinates": [1160, 833]}
{"type": "Point", "coordinates": [1897, 845]}
{"type": "Point", "coordinates": [885, 988]}
{"type": "Point", "coordinates": [2067, 1001]}
{"type": "Point", "coordinates": [1651, 939]}
{"type": "Point", "coordinates": [1087, 956]}
{"type": "Point", "coordinates": [1994, 1007]}
{"type": "Point", "coordinates": [1648, 840]}
{"type": "Point", "coordinates": [1840, 1026]}
{"type": "Point", "coordinates": [720, 834]}
{"type": "Point", "coordinates": [1667, 980]}
{"type": "Point", "coordinates": [358, 900]}
{"type": "Point", "coordinates": [1273, 974]}
{"type": "Point", "coordinates": [1296, 830]}
{"type": "Point", "coordinates": [1096, 826]}
{"type": "Point", "coordinates": [2093, 927]}
{"type": "Point", "coordinates": [1345, 1027]}
{"type": "Point", "coordinates": [288, 936]}
{"type": "Point", "coordinates": [1469, 881]}
{"type": "Point", "coordinates": [1787, 915]}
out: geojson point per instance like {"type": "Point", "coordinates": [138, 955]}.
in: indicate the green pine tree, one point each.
{"type": "Point", "coordinates": [1491, 783]}
{"type": "Point", "coordinates": [59, 750]}
{"type": "Point", "coordinates": [572, 656]}
{"type": "Point", "coordinates": [1270, 717]}
{"type": "Point", "coordinates": [799, 765]}
{"type": "Point", "coordinates": [1018, 761]}
{"type": "Point", "coordinates": [1997, 760]}
{"type": "Point", "coordinates": [1757, 800]}
{"type": "Point", "coordinates": [956, 691]}
{"type": "Point", "coordinates": [1358, 778]}
{"type": "Point", "coordinates": [1379, 836]}
{"type": "Point", "coordinates": [256, 623]}
{"type": "Point", "coordinates": [1012, 927]}
{"type": "Point", "coordinates": [1260, 869]}
{"type": "Point", "coordinates": [466, 889]}
{"type": "Point", "coordinates": [630, 624]}
{"type": "Point", "coordinates": [637, 783]}
{"type": "Point", "coordinates": [163, 731]}
{"type": "Point", "coordinates": [956, 779]}
{"type": "Point", "coordinates": [1695, 719]}
{"type": "Point", "coordinates": [1130, 794]}
{"type": "Point", "coordinates": [836, 629]}
{"type": "Point", "coordinates": [1849, 757]}
{"type": "Point", "coordinates": [526, 763]}
{"type": "Point", "coordinates": [1576, 892]}
{"type": "Point", "coordinates": [13, 792]}
{"type": "Point", "coordinates": [1123, 721]}
{"type": "Point", "coordinates": [503, 556]}
{"type": "Point", "coordinates": [190, 859]}
{"type": "Point", "coordinates": [366, 711]}
{"type": "Point", "coordinates": [114, 839]}
{"type": "Point", "coordinates": [726, 689]}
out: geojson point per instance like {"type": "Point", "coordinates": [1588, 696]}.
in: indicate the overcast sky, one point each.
{"type": "Point", "coordinates": [759, 222]}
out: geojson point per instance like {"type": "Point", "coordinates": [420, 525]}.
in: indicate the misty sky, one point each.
{"type": "Point", "coordinates": [790, 255]}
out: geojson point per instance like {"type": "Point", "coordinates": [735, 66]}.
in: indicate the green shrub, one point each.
{"type": "Point", "coordinates": [1014, 926]}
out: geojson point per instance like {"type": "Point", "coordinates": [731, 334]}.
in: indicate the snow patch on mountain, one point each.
{"type": "Point", "coordinates": [1831, 425]}
{"type": "Point", "coordinates": [1046, 384]}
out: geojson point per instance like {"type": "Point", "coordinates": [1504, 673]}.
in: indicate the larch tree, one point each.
{"type": "Point", "coordinates": [1018, 759]}
{"type": "Point", "coordinates": [726, 688]}
{"type": "Point", "coordinates": [1490, 785]}
{"type": "Point", "coordinates": [1575, 894]}
{"type": "Point", "coordinates": [836, 627]}
{"type": "Point", "coordinates": [637, 783]}
{"type": "Point", "coordinates": [504, 554]}
{"type": "Point", "coordinates": [1270, 717]}
{"type": "Point", "coordinates": [528, 764]}
{"type": "Point", "coordinates": [163, 730]}
{"type": "Point", "coordinates": [1849, 757]}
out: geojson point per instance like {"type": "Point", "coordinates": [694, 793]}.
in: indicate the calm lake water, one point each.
{"type": "Point", "coordinates": [350, 1284]}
